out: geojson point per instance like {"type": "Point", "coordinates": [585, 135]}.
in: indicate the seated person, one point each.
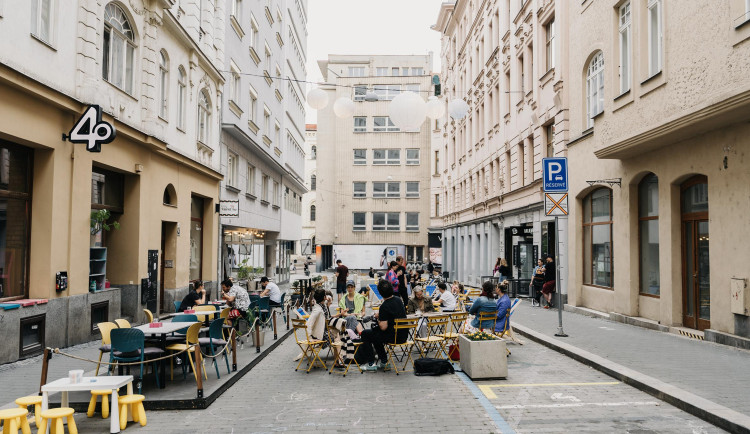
{"type": "Point", "coordinates": [446, 299]}
{"type": "Point", "coordinates": [419, 303]}
{"type": "Point", "coordinates": [352, 307]}
{"type": "Point", "coordinates": [503, 306]}
{"type": "Point", "coordinates": [197, 295]}
{"type": "Point", "coordinates": [236, 297]}
{"type": "Point", "coordinates": [317, 322]}
{"type": "Point", "coordinates": [485, 303]}
{"type": "Point", "coordinates": [374, 339]}
{"type": "Point", "coordinates": [272, 291]}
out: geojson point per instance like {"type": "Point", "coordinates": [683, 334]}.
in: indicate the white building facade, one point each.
{"type": "Point", "coordinates": [307, 243]}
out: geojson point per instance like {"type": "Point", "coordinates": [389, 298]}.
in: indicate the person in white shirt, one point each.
{"type": "Point", "coordinates": [447, 299]}
{"type": "Point", "coordinates": [270, 290]}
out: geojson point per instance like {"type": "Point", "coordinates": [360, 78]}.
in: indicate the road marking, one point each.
{"type": "Point", "coordinates": [500, 423]}
{"type": "Point", "coordinates": [576, 404]}
{"type": "Point", "coordinates": [560, 397]}
{"type": "Point", "coordinates": [487, 388]}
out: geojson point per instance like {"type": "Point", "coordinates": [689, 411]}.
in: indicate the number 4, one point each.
{"type": "Point", "coordinates": [91, 130]}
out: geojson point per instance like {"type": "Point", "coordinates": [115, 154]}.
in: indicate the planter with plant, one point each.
{"type": "Point", "coordinates": [483, 356]}
{"type": "Point", "coordinates": [100, 220]}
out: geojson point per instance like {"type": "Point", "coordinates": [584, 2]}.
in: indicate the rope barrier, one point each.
{"type": "Point", "coordinates": [57, 351]}
{"type": "Point", "coordinates": [226, 348]}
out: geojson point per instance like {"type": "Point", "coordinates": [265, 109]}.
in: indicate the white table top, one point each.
{"type": "Point", "coordinates": [88, 383]}
{"type": "Point", "coordinates": [166, 327]}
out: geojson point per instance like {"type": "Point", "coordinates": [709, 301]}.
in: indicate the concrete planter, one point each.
{"type": "Point", "coordinates": [262, 338]}
{"type": "Point", "coordinates": [483, 359]}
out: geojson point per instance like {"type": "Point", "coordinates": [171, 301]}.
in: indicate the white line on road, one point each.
{"type": "Point", "coordinates": [576, 404]}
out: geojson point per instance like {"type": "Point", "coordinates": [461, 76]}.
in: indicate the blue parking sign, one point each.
{"type": "Point", "coordinates": [555, 171]}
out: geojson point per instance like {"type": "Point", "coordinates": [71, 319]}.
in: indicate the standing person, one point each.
{"type": "Point", "coordinates": [342, 272]}
{"type": "Point", "coordinates": [197, 295]}
{"type": "Point", "coordinates": [371, 273]}
{"type": "Point", "coordinates": [503, 269]}
{"type": "Point", "coordinates": [384, 331]}
{"type": "Point", "coordinates": [392, 275]}
{"type": "Point", "coordinates": [549, 281]}
{"type": "Point", "coordinates": [270, 290]}
{"type": "Point", "coordinates": [402, 291]}
{"type": "Point", "coordinates": [503, 304]}
{"type": "Point", "coordinates": [447, 299]}
{"type": "Point", "coordinates": [430, 268]}
{"type": "Point", "coordinates": [537, 281]}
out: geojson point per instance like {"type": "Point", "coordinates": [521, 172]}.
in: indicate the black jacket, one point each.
{"type": "Point", "coordinates": [549, 272]}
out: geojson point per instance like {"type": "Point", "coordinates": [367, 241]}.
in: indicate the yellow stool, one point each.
{"type": "Point", "coordinates": [14, 418]}
{"type": "Point", "coordinates": [28, 401]}
{"type": "Point", "coordinates": [136, 409]}
{"type": "Point", "coordinates": [105, 403]}
{"type": "Point", "coordinates": [55, 416]}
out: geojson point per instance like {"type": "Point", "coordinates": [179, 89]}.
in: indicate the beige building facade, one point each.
{"type": "Point", "coordinates": [659, 96]}
{"type": "Point", "coordinates": [504, 59]}
{"type": "Point", "coordinates": [372, 178]}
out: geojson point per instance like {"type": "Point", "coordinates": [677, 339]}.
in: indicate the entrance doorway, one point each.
{"type": "Point", "coordinates": [696, 277]}
{"type": "Point", "coordinates": [167, 274]}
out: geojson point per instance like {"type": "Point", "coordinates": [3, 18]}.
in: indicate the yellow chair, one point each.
{"type": "Point", "coordinates": [487, 316]}
{"type": "Point", "coordinates": [55, 416]}
{"type": "Point", "coordinates": [149, 315]}
{"type": "Point", "coordinates": [310, 347]}
{"type": "Point", "coordinates": [202, 318]}
{"type": "Point", "coordinates": [122, 323]}
{"type": "Point", "coordinates": [136, 409]}
{"type": "Point", "coordinates": [436, 328]}
{"type": "Point", "coordinates": [451, 335]}
{"type": "Point", "coordinates": [104, 393]}
{"type": "Point", "coordinates": [337, 347]}
{"type": "Point", "coordinates": [191, 340]}
{"type": "Point", "coordinates": [409, 324]}
{"type": "Point", "coordinates": [104, 328]}
{"type": "Point", "coordinates": [28, 401]}
{"type": "Point", "coordinates": [15, 418]}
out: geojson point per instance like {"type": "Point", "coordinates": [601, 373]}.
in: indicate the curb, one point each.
{"type": "Point", "coordinates": [709, 411]}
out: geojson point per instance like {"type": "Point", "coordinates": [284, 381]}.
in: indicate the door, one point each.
{"type": "Point", "coordinates": [161, 266]}
{"type": "Point", "coordinates": [696, 275]}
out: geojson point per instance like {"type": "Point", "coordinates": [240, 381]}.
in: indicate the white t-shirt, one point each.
{"type": "Point", "coordinates": [449, 300]}
{"type": "Point", "coordinates": [274, 293]}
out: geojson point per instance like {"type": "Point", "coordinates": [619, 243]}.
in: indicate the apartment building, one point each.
{"type": "Point", "coordinates": [503, 57]}
{"type": "Point", "coordinates": [372, 178]}
{"type": "Point", "coordinates": [262, 135]}
{"type": "Point", "coordinates": [309, 211]}
{"type": "Point", "coordinates": [659, 94]}
{"type": "Point", "coordinates": [154, 70]}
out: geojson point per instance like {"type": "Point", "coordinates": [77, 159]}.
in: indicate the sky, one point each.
{"type": "Point", "coordinates": [369, 27]}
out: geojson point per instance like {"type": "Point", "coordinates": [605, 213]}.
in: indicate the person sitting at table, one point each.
{"type": "Point", "coordinates": [446, 299]}
{"type": "Point", "coordinates": [236, 297]}
{"type": "Point", "coordinates": [197, 295]}
{"type": "Point", "coordinates": [419, 303]}
{"type": "Point", "coordinates": [375, 338]}
{"type": "Point", "coordinates": [503, 306]}
{"type": "Point", "coordinates": [272, 291]}
{"type": "Point", "coordinates": [485, 303]}
{"type": "Point", "coordinates": [319, 318]}
{"type": "Point", "coordinates": [352, 307]}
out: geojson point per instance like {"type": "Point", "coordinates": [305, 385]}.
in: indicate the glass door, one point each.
{"type": "Point", "coordinates": [696, 306]}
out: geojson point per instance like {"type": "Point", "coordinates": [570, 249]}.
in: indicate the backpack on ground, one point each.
{"type": "Point", "coordinates": [433, 367]}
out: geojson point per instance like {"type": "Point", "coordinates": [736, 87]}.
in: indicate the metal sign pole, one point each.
{"type": "Point", "coordinates": [558, 287]}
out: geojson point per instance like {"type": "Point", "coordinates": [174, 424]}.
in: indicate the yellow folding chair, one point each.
{"type": "Point", "coordinates": [436, 328]}
{"type": "Point", "coordinates": [310, 347]}
{"type": "Point", "coordinates": [202, 318]}
{"type": "Point", "coordinates": [487, 316]}
{"type": "Point", "coordinates": [451, 334]}
{"type": "Point", "coordinates": [191, 342]}
{"type": "Point", "coordinates": [104, 328]}
{"type": "Point", "coordinates": [410, 325]}
{"type": "Point", "coordinates": [336, 348]}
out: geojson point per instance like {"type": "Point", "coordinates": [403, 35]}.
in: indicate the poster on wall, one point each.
{"type": "Point", "coordinates": [436, 255]}
{"type": "Point", "coordinates": [364, 256]}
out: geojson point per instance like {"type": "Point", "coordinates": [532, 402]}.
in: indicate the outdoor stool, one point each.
{"type": "Point", "coordinates": [55, 417]}
{"type": "Point", "coordinates": [136, 409]}
{"type": "Point", "coordinates": [14, 418]}
{"type": "Point", "coordinates": [30, 400]}
{"type": "Point", "coordinates": [104, 393]}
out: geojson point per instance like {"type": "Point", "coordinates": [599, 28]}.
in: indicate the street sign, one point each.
{"type": "Point", "coordinates": [556, 204]}
{"type": "Point", "coordinates": [555, 171]}
{"type": "Point", "coordinates": [229, 208]}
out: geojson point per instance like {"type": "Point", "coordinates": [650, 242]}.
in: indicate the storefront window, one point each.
{"type": "Point", "coordinates": [597, 238]}
{"type": "Point", "coordinates": [107, 192]}
{"type": "Point", "coordinates": [648, 226]}
{"type": "Point", "coordinates": [196, 238]}
{"type": "Point", "coordinates": [15, 200]}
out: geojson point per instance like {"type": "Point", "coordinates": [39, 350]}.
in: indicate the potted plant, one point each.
{"type": "Point", "coordinates": [99, 221]}
{"type": "Point", "coordinates": [483, 356]}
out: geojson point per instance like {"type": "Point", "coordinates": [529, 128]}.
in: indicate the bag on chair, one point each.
{"type": "Point", "coordinates": [433, 367]}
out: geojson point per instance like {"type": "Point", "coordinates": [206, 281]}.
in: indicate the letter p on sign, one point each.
{"type": "Point", "coordinates": [555, 174]}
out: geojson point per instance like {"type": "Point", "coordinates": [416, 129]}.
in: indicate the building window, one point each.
{"type": "Point", "coordinates": [394, 189]}
{"type": "Point", "coordinates": [393, 221]}
{"type": "Point", "coordinates": [412, 221]}
{"type": "Point", "coordinates": [386, 92]}
{"type": "Point", "coordinates": [550, 30]}
{"type": "Point", "coordinates": [360, 189]}
{"type": "Point", "coordinates": [521, 77]}
{"type": "Point", "coordinates": [654, 37]}
{"type": "Point", "coordinates": [625, 38]}
{"type": "Point", "coordinates": [437, 162]}
{"type": "Point", "coordinates": [253, 115]}
{"type": "Point", "coordinates": [394, 72]}
{"type": "Point", "coordinates": [276, 194]}
{"type": "Point", "coordinates": [360, 222]}
{"type": "Point", "coordinates": [234, 84]}
{"type": "Point", "coordinates": [269, 58]}
{"type": "Point", "coordinates": [597, 238]}
{"type": "Point", "coordinates": [648, 235]}
{"type": "Point", "coordinates": [277, 133]}
{"type": "Point", "coordinates": [15, 203]}
{"type": "Point", "coordinates": [181, 97]}
{"type": "Point", "coordinates": [360, 91]}
{"type": "Point", "coordinates": [163, 83]}
{"type": "Point", "coordinates": [383, 124]}
{"type": "Point", "coordinates": [266, 120]}
{"type": "Point", "coordinates": [360, 124]}
{"type": "Point", "coordinates": [417, 71]}
{"type": "Point", "coordinates": [204, 116]}
{"type": "Point", "coordinates": [196, 239]}
{"type": "Point", "coordinates": [264, 189]}
{"type": "Point", "coordinates": [412, 189]}
{"type": "Point", "coordinates": [378, 156]}
{"type": "Point", "coordinates": [253, 33]}
{"type": "Point", "coordinates": [42, 13]}
{"type": "Point", "coordinates": [437, 205]}
{"type": "Point", "coordinates": [314, 152]}
{"type": "Point", "coordinates": [378, 221]}
{"type": "Point", "coordinates": [118, 49]}
{"type": "Point", "coordinates": [412, 157]}
{"type": "Point", "coordinates": [356, 71]}
{"type": "Point", "coordinates": [595, 88]}
{"type": "Point", "coordinates": [394, 157]}
{"type": "Point", "coordinates": [381, 72]}
{"type": "Point", "coordinates": [378, 189]}
{"type": "Point", "coordinates": [237, 10]}
{"type": "Point", "coordinates": [312, 213]}
{"type": "Point", "coordinates": [232, 165]}
{"type": "Point", "coordinates": [360, 157]}
{"type": "Point", "coordinates": [32, 335]}
{"type": "Point", "coordinates": [313, 182]}
{"type": "Point", "coordinates": [250, 187]}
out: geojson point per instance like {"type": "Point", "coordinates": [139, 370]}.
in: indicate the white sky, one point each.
{"type": "Point", "coordinates": [369, 27]}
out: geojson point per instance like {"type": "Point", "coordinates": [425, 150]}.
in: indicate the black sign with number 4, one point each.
{"type": "Point", "coordinates": [91, 130]}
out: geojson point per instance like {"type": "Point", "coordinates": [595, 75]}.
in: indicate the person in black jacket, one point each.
{"type": "Point", "coordinates": [549, 281]}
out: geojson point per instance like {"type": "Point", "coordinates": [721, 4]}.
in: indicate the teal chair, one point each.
{"type": "Point", "coordinates": [177, 305]}
{"type": "Point", "coordinates": [128, 345]}
{"type": "Point", "coordinates": [179, 335]}
{"type": "Point", "coordinates": [215, 343]}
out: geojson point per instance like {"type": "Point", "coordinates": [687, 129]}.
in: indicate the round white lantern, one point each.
{"type": "Point", "coordinates": [343, 107]}
{"type": "Point", "coordinates": [407, 111]}
{"type": "Point", "coordinates": [317, 98]}
{"type": "Point", "coordinates": [458, 109]}
{"type": "Point", "coordinates": [435, 108]}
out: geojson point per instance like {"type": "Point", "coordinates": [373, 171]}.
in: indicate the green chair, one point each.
{"type": "Point", "coordinates": [128, 346]}
{"type": "Point", "coordinates": [215, 340]}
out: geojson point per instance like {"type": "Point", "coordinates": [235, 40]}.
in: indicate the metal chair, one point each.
{"type": "Point", "coordinates": [310, 347]}
{"type": "Point", "coordinates": [104, 328]}
{"type": "Point", "coordinates": [405, 348]}
{"type": "Point", "coordinates": [128, 346]}
{"type": "Point", "coordinates": [149, 315]}
{"type": "Point", "coordinates": [191, 339]}
{"type": "Point", "coordinates": [451, 335]}
{"type": "Point", "coordinates": [485, 318]}
{"type": "Point", "coordinates": [436, 328]}
{"type": "Point", "coordinates": [263, 311]}
{"type": "Point", "coordinates": [122, 323]}
{"type": "Point", "coordinates": [347, 362]}
{"type": "Point", "coordinates": [216, 339]}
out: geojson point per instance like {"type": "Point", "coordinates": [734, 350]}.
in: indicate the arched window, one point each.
{"type": "Point", "coordinates": [648, 234]}
{"type": "Point", "coordinates": [313, 182]}
{"type": "Point", "coordinates": [314, 152]}
{"type": "Point", "coordinates": [204, 116]}
{"type": "Point", "coordinates": [595, 88]}
{"type": "Point", "coordinates": [170, 196]}
{"type": "Point", "coordinates": [118, 48]}
{"type": "Point", "coordinates": [163, 83]}
{"type": "Point", "coordinates": [312, 213]}
{"type": "Point", "coordinates": [181, 97]}
{"type": "Point", "coordinates": [597, 238]}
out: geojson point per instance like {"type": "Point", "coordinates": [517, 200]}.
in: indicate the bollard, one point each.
{"type": "Point", "coordinates": [257, 337]}
{"type": "Point", "coordinates": [198, 370]}
{"type": "Point", "coordinates": [273, 312]}
{"type": "Point", "coordinates": [45, 368]}
{"type": "Point", "coordinates": [234, 351]}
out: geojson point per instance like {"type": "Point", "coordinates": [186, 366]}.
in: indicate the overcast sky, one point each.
{"type": "Point", "coordinates": [369, 27]}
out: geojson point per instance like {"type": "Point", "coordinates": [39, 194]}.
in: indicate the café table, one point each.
{"type": "Point", "coordinates": [87, 384]}
{"type": "Point", "coordinates": [162, 332]}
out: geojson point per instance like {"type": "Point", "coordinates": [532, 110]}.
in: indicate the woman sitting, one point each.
{"type": "Point", "coordinates": [503, 306]}
{"type": "Point", "coordinates": [352, 307]}
{"type": "Point", "coordinates": [419, 303]}
{"type": "Point", "coordinates": [485, 303]}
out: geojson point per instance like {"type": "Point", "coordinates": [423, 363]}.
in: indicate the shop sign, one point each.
{"type": "Point", "coordinates": [91, 130]}
{"type": "Point", "coordinates": [229, 208]}
{"type": "Point", "coordinates": [522, 231]}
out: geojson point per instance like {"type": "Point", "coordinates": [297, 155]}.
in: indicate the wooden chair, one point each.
{"type": "Point", "coordinates": [436, 328]}
{"type": "Point", "coordinates": [451, 334]}
{"type": "Point", "coordinates": [404, 348]}
{"type": "Point", "coordinates": [122, 323]}
{"type": "Point", "coordinates": [310, 347]}
{"type": "Point", "coordinates": [149, 315]}
{"type": "Point", "coordinates": [191, 339]}
{"type": "Point", "coordinates": [335, 349]}
{"type": "Point", "coordinates": [105, 328]}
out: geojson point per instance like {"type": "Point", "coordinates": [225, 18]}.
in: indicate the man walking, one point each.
{"type": "Point", "coordinates": [342, 272]}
